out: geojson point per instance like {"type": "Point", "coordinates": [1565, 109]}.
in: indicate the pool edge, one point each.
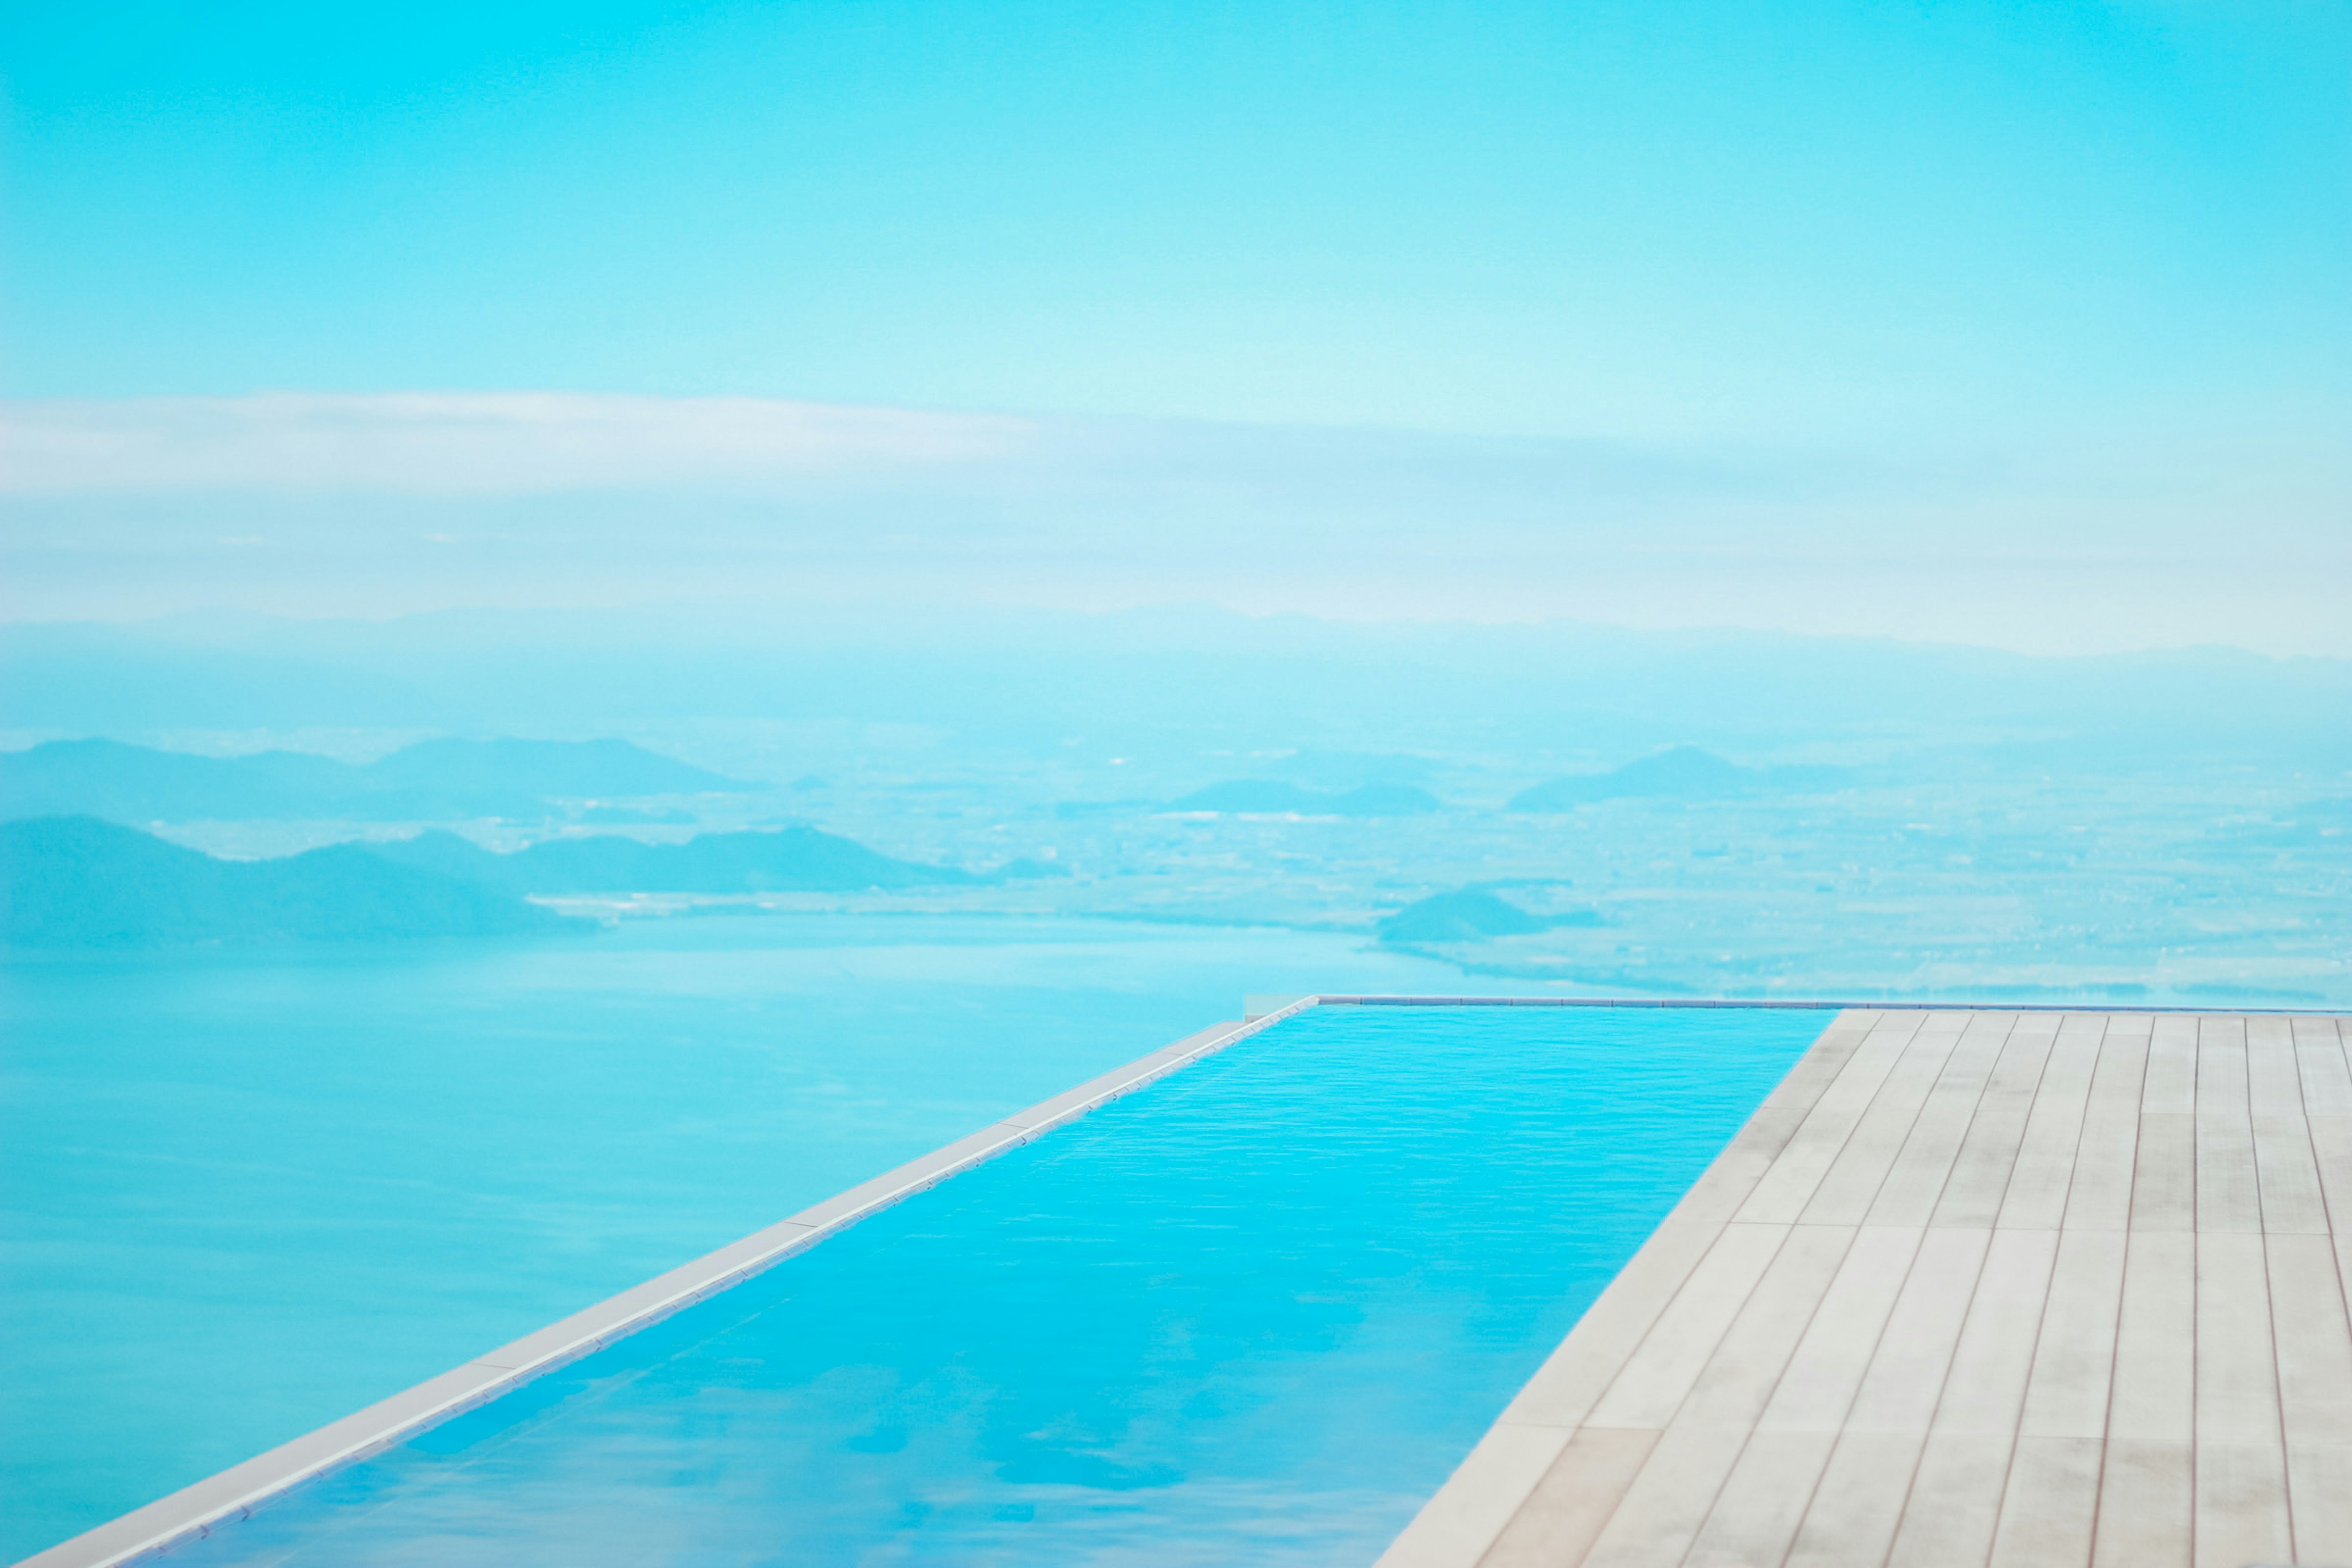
{"type": "Point", "coordinates": [232, 1494]}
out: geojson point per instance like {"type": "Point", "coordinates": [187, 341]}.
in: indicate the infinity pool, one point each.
{"type": "Point", "coordinates": [1255, 1313]}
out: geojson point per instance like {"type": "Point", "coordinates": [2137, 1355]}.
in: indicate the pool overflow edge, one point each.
{"type": "Point", "coordinates": [234, 1494]}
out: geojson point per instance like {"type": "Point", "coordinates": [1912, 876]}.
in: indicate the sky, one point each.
{"type": "Point", "coordinates": [2026, 324]}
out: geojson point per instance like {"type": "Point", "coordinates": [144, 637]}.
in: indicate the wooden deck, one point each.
{"type": "Point", "coordinates": [1971, 1288]}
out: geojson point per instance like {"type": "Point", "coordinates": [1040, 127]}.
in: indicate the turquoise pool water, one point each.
{"type": "Point", "coordinates": [243, 1192]}
{"type": "Point", "coordinates": [1252, 1313]}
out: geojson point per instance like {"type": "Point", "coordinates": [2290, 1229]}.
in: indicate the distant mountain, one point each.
{"type": "Point", "coordinates": [795, 859]}
{"type": "Point", "coordinates": [431, 781]}
{"type": "Point", "coordinates": [1333, 768]}
{"type": "Point", "coordinates": [1384, 800]}
{"type": "Point", "coordinates": [78, 883]}
{"type": "Point", "coordinates": [563, 769]}
{"type": "Point", "coordinates": [1467, 916]}
{"type": "Point", "coordinates": [1275, 797]}
{"type": "Point", "coordinates": [1255, 796]}
{"type": "Point", "coordinates": [1680, 771]}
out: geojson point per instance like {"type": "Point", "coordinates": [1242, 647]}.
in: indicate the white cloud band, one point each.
{"type": "Point", "coordinates": [445, 442]}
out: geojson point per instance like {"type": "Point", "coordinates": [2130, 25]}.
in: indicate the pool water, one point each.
{"type": "Point", "coordinates": [1254, 1313]}
{"type": "Point", "coordinates": [245, 1192]}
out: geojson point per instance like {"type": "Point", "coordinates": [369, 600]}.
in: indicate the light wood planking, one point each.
{"type": "Point", "coordinates": [1981, 1287]}
{"type": "Point", "coordinates": [2050, 1506]}
{"type": "Point", "coordinates": [2284, 1168]}
{"type": "Point", "coordinates": [2100, 1195]}
{"type": "Point", "coordinates": [1756, 1515]}
{"type": "Point", "coordinates": [1846, 1192]}
{"type": "Point", "coordinates": [1663, 1510]}
{"type": "Point", "coordinates": [2154, 1398]}
{"type": "Point", "coordinates": [1781, 1196]}
{"type": "Point", "coordinates": [1980, 1178]}
{"type": "Point", "coordinates": [1917, 1180]}
{"type": "Point", "coordinates": [2240, 1463]}
{"type": "Point", "coordinates": [2229, 1194]}
{"type": "Point", "coordinates": [2045, 1171]}
{"type": "Point", "coordinates": [2144, 1505]}
{"type": "Point", "coordinates": [1667, 1363]}
{"type": "Point", "coordinates": [2074, 1358]}
{"type": "Point", "coordinates": [1565, 1512]}
{"type": "Point", "coordinates": [2314, 1381]}
{"type": "Point", "coordinates": [1739, 1377]}
{"type": "Point", "coordinates": [1854, 1512]}
{"type": "Point", "coordinates": [1817, 1388]}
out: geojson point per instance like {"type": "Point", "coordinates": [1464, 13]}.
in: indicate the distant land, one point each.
{"type": "Point", "coordinates": [1276, 797]}
{"type": "Point", "coordinates": [1471, 914]}
{"type": "Point", "coordinates": [1679, 770]}
{"type": "Point", "coordinates": [431, 781]}
{"type": "Point", "coordinates": [78, 882]}
{"type": "Point", "coordinates": [793, 860]}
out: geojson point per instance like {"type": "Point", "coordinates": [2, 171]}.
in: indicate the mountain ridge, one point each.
{"type": "Point", "coordinates": [428, 781]}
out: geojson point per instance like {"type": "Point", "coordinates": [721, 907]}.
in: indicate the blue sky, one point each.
{"type": "Point", "coordinates": [2019, 253]}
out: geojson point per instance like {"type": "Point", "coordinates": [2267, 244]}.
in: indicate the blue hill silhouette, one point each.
{"type": "Point", "coordinates": [76, 881]}
{"type": "Point", "coordinates": [1679, 770]}
{"type": "Point", "coordinates": [789, 859]}
{"type": "Point", "coordinates": [433, 780]}
{"type": "Point", "coordinates": [1466, 916]}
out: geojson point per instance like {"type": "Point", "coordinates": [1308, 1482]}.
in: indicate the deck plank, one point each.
{"type": "Point", "coordinates": [1565, 1512]}
{"type": "Point", "coordinates": [1954, 1502]}
{"type": "Point", "coordinates": [2051, 1506]}
{"type": "Point", "coordinates": [2045, 1171]}
{"type": "Point", "coordinates": [2155, 1395]}
{"type": "Point", "coordinates": [2314, 1380]}
{"type": "Point", "coordinates": [1817, 1389]}
{"type": "Point", "coordinates": [1732, 1389]}
{"type": "Point", "coordinates": [1665, 1365]}
{"type": "Point", "coordinates": [2284, 1167]}
{"type": "Point", "coordinates": [1782, 1195]}
{"type": "Point", "coordinates": [2100, 1197]}
{"type": "Point", "coordinates": [2229, 1193]}
{"type": "Point", "coordinates": [1756, 1515]}
{"type": "Point", "coordinates": [2240, 1461]}
{"type": "Point", "coordinates": [2163, 1180]}
{"type": "Point", "coordinates": [2146, 1510]}
{"type": "Point", "coordinates": [1916, 1182]}
{"type": "Point", "coordinates": [2074, 1358]}
{"type": "Point", "coordinates": [1905, 1379]}
{"type": "Point", "coordinates": [1980, 1178]}
{"type": "Point", "coordinates": [1669, 1500]}
{"type": "Point", "coordinates": [1854, 1512]}
{"type": "Point", "coordinates": [1852, 1183]}
{"type": "Point", "coordinates": [1985, 1392]}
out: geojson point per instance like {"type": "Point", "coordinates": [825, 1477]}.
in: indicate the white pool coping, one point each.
{"type": "Point", "coordinates": [232, 1494]}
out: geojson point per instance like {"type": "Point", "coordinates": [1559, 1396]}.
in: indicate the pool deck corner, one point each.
{"type": "Point", "coordinates": [1970, 1287]}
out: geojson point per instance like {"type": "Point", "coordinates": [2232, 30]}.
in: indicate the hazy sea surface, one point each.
{"type": "Point", "coordinates": [244, 1193]}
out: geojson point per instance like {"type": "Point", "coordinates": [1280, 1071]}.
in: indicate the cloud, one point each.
{"type": "Point", "coordinates": [448, 443]}
{"type": "Point", "coordinates": [304, 502]}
